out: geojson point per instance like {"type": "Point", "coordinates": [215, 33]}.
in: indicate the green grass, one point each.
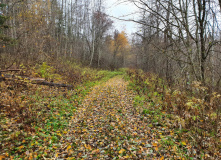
{"type": "Point", "coordinates": [180, 136]}
{"type": "Point", "coordinates": [52, 110]}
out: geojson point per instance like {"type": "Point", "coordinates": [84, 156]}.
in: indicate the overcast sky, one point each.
{"type": "Point", "coordinates": [120, 10]}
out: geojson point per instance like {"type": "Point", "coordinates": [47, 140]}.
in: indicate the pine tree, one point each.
{"type": "Point", "coordinates": [3, 38]}
{"type": "Point", "coordinates": [2, 18]}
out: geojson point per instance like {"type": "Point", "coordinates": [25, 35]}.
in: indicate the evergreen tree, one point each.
{"type": "Point", "coordinates": [3, 18]}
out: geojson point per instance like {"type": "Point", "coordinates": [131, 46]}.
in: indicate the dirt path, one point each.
{"type": "Point", "coordinates": [108, 126]}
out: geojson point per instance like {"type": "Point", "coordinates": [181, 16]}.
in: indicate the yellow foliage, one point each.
{"type": "Point", "coordinates": [189, 104]}
{"type": "Point", "coordinates": [183, 143]}
{"type": "Point", "coordinates": [162, 158]}
{"type": "Point", "coordinates": [119, 43]}
{"type": "Point", "coordinates": [121, 151]}
{"type": "Point", "coordinates": [69, 147]}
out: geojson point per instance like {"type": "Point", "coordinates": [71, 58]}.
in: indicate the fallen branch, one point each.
{"type": "Point", "coordinates": [10, 70]}
{"type": "Point", "coordinates": [38, 81]}
{"type": "Point", "coordinates": [51, 84]}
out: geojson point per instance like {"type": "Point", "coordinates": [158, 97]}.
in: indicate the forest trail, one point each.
{"type": "Point", "coordinates": [107, 125]}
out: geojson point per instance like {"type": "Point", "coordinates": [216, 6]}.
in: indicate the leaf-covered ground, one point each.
{"type": "Point", "coordinates": [111, 125]}
{"type": "Point", "coordinates": [111, 122]}
{"type": "Point", "coordinates": [34, 119]}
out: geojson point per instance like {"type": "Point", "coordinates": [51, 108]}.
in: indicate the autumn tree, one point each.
{"type": "Point", "coordinates": [119, 47]}
{"type": "Point", "coordinates": [52, 29]}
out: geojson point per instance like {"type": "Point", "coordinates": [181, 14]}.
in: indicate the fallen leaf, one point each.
{"type": "Point", "coordinates": [162, 158]}
{"type": "Point", "coordinates": [68, 147]}
{"type": "Point", "coordinates": [183, 143]}
{"type": "Point", "coordinates": [154, 144]}
{"type": "Point", "coordinates": [121, 151]}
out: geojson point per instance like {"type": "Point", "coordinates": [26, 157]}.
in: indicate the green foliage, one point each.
{"type": "Point", "coordinates": [76, 74]}
{"type": "Point", "coordinates": [104, 120]}
{"type": "Point", "coordinates": [3, 38]}
{"type": "Point", "coordinates": [2, 20]}
{"type": "Point", "coordinates": [192, 113]}
{"type": "Point", "coordinates": [48, 72]}
{"type": "Point", "coordinates": [44, 70]}
{"type": "Point", "coordinates": [2, 17]}
{"type": "Point", "coordinates": [139, 100]}
{"type": "Point", "coordinates": [42, 115]}
{"type": "Point", "coordinates": [146, 111]}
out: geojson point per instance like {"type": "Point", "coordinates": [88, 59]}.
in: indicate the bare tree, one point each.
{"type": "Point", "coordinates": [185, 26]}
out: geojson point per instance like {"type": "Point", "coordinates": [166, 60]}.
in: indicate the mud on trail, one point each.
{"type": "Point", "coordinates": [108, 126]}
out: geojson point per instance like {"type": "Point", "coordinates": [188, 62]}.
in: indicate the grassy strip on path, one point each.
{"type": "Point", "coordinates": [37, 128]}
{"type": "Point", "coordinates": [102, 120]}
{"type": "Point", "coordinates": [109, 126]}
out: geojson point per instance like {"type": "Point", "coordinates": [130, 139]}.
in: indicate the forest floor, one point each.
{"type": "Point", "coordinates": [109, 125]}
{"type": "Point", "coordinates": [110, 122]}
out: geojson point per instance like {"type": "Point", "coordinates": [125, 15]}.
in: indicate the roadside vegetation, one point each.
{"type": "Point", "coordinates": [187, 122]}
{"type": "Point", "coordinates": [32, 114]}
{"type": "Point", "coordinates": [37, 121]}
{"type": "Point", "coordinates": [73, 85]}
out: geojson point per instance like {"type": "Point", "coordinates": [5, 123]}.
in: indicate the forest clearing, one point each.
{"type": "Point", "coordinates": [78, 82]}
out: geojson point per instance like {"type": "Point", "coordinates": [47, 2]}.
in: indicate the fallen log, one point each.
{"type": "Point", "coordinates": [38, 81]}
{"type": "Point", "coordinates": [51, 84]}
{"type": "Point", "coordinates": [2, 77]}
{"type": "Point", "coordinates": [10, 70]}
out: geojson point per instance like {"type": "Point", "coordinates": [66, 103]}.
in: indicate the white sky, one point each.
{"type": "Point", "coordinates": [120, 10]}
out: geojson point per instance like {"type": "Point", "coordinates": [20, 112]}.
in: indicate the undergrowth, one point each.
{"type": "Point", "coordinates": [34, 118]}
{"type": "Point", "coordinates": [192, 120]}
